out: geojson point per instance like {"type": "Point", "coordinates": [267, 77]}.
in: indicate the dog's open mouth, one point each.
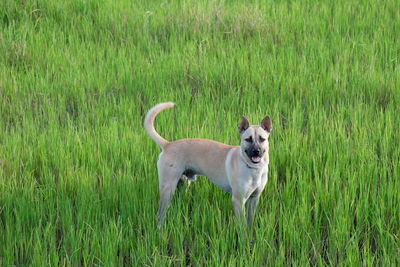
{"type": "Point", "coordinates": [255, 159]}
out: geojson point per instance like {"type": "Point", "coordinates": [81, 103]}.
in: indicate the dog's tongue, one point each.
{"type": "Point", "coordinates": [255, 159]}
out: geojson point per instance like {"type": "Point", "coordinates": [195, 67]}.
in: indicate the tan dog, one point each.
{"type": "Point", "coordinates": [239, 170]}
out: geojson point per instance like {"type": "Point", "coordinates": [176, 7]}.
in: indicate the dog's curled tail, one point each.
{"type": "Point", "coordinates": [149, 122]}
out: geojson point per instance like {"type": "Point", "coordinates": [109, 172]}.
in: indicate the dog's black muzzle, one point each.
{"type": "Point", "coordinates": [255, 154]}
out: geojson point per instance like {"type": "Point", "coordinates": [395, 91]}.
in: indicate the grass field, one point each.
{"type": "Point", "coordinates": [78, 178]}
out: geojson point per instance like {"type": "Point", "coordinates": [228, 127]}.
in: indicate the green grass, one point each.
{"type": "Point", "coordinates": [78, 178]}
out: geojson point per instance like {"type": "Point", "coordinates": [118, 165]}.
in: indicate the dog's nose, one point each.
{"type": "Point", "coordinates": [257, 151]}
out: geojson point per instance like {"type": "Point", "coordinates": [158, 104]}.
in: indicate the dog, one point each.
{"type": "Point", "coordinates": [239, 170]}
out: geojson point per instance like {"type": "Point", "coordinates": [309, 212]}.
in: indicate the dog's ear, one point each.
{"type": "Point", "coordinates": [266, 124]}
{"type": "Point", "coordinates": [243, 125]}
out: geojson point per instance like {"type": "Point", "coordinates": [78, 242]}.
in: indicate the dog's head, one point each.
{"type": "Point", "coordinates": [254, 139]}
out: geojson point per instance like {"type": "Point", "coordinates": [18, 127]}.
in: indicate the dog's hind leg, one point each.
{"type": "Point", "coordinates": [169, 177]}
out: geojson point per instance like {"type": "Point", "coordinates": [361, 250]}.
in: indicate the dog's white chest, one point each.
{"type": "Point", "coordinates": [254, 182]}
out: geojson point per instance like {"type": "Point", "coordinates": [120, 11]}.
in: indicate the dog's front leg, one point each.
{"type": "Point", "coordinates": [238, 207]}
{"type": "Point", "coordinates": [251, 208]}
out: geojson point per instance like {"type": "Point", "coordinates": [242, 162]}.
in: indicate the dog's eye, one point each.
{"type": "Point", "coordinates": [262, 139]}
{"type": "Point", "coordinates": [250, 139]}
